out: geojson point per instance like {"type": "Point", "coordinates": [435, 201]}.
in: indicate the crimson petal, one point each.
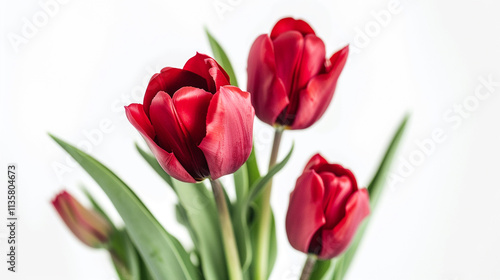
{"type": "Point", "coordinates": [171, 132]}
{"type": "Point", "coordinates": [209, 69]}
{"type": "Point", "coordinates": [305, 211]}
{"type": "Point", "coordinates": [288, 50]}
{"type": "Point", "coordinates": [336, 240]}
{"type": "Point", "coordinates": [288, 24]}
{"type": "Point", "coordinates": [170, 80]}
{"type": "Point", "coordinates": [315, 98]}
{"type": "Point", "coordinates": [228, 142]}
{"type": "Point", "coordinates": [315, 162]}
{"type": "Point", "coordinates": [137, 117]}
{"type": "Point", "coordinates": [269, 97]}
{"type": "Point", "coordinates": [338, 189]}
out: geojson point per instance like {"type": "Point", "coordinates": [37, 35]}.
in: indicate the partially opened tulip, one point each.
{"type": "Point", "coordinates": [87, 225]}
{"type": "Point", "coordinates": [196, 124]}
{"type": "Point", "coordinates": [326, 207]}
{"type": "Point", "coordinates": [289, 77]}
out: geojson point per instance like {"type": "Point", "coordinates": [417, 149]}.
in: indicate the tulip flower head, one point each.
{"type": "Point", "coordinates": [326, 207]}
{"type": "Point", "coordinates": [87, 225]}
{"type": "Point", "coordinates": [196, 124]}
{"type": "Point", "coordinates": [291, 81]}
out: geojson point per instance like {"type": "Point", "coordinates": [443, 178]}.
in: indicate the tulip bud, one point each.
{"type": "Point", "coordinates": [289, 78]}
{"type": "Point", "coordinates": [196, 124]}
{"type": "Point", "coordinates": [326, 207]}
{"type": "Point", "coordinates": [86, 224]}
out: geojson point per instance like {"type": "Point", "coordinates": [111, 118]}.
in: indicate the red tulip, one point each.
{"type": "Point", "coordinates": [87, 225]}
{"type": "Point", "coordinates": [291, 81]}
{"type": "Point", "coordinates": [194, 122]}
{"type": "Point", "coordinates": [325, 210]}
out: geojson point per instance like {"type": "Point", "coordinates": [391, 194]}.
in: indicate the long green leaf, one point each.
{"type": "Point", "coordinates": [221, 57]}
{"type": "Point", "coordinates": [240, 222]}
{"type": "Point", "coordinates": [252, 168]}
{"type": "Point", "coordinates": [261, 183]}
{"type": "Point", "coordinates": [241, 182]}
{"type": "Point", "coordinates": [197, 212]}
{"type": "Point", "coordinates": [201, 212]}
{"type": "Point", "coordinates": [163, 254]}
{"type": "Point", "coordinates": [375, 188]}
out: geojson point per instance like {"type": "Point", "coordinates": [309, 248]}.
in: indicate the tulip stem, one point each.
{"type": "Point", "coordinates": [264, 231]}
{"type": "Point", "coordinates": [228, 239]}
{"type": "Point", "coordinates": [308, 267]}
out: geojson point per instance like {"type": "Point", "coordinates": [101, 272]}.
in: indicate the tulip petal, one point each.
{"type": "Point", "coordinates": [209, 69]}
{"type": "Point", "coordinates": [339, 171]}
{"type": "Point", "coordinates": [316, 97]}
{"type": "Point", "coordinates": [167, 160]}
{"type": "Point", "coordinates": [336, 240]}
{"type": "Point", "coordinates": [311, 62]}
{"type": "Point", "coordinates": [170, 80]}
{"type": "Point", "coordinates": [289, 24]}
{"type": "Point", "coordinates": [228, 142]}
{"type": "Point", "coordinates": [269, 97]}
{"type": "Point", "coordinates": [173, 135]}
{"type": "Point", "coordinates": [288, 48]}
{"type": "Point", "coordinates": [305, 211]}
{"type": "Point", "coordinates": [191, 105]}
{"type": "Point", "coordinates": [338, 189]}
{"type": "Point", "coordinates": [316, 161]}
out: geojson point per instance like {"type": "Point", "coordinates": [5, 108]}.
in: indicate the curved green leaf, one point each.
{"type": "Point", "coordinates": [162, 253]}
{"type": "Point", "coordinates": [201, 213]}
{"type": "Point", "coordinates": [252, 168]}
{"type": "Point", "coordinates": [197, 212]}
{"type": "Point", "coordinates": [375, 188]}
{"type": "Point", "coordinates": [261, 183]}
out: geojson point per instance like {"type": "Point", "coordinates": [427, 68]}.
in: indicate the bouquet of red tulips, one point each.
{"type": "Point", "coordinates": [198, 126]}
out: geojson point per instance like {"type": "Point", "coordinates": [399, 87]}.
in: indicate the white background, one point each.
{"type": "Point", "coordinates": [90, 58]}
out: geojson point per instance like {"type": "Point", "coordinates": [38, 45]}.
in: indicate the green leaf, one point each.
{"type": "Point", "coordinates": [252, 168]}
{"type": "Point", "coordinates": [242, 207]}
{"type": "Point", "coordinates": [323, 269]}
{"type": "Point", "coordinates": [375, 188]}
{"type": "Point", "coordinates": [221, 57]}
{"type": "Point", "coordinates": [241, 182]}
{"type": "Point", "coordinates": [273, 242]}
{"type": "Point", "coordinates": [125, 257]}
{"type": "Point", "coordinates": [240, 222]}
{"type": "Point", "coordinates": [201, 214]}
{"type": "Point", "coordinates": [273, 246]}
{"type": "Point", "coordinates": [197, 212]}
{"type": "Point", "coordinates": [261, 183]}
{"type": "Point", "coordinates": [163, 254]}
{"type": "Point", "coordinates": [376, 185]}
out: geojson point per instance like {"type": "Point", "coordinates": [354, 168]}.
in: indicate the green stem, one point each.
{"type": "Point", "coordinates": [308, 267]}
{"type": "Point", "coordinates": [264, 230]}
{"type": "Point", "coordinates": [228, 239]}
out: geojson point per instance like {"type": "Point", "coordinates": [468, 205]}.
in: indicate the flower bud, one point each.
{"type": "Point", "coordinates": [86, 224]}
